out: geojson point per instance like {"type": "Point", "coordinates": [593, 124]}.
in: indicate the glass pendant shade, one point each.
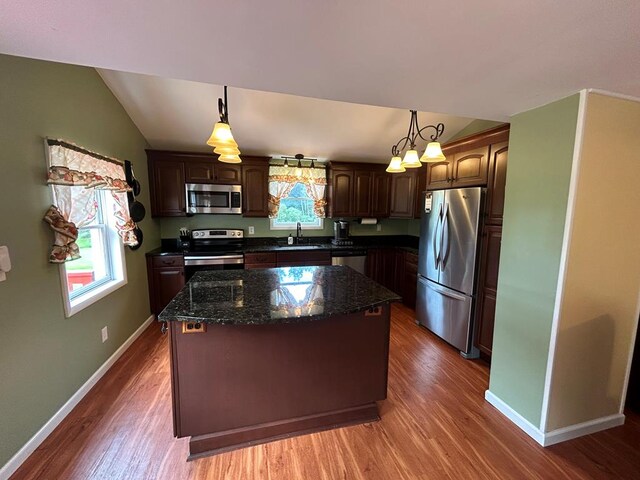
{"type": "Point", "coordinates": [230, 159]}
{"type": "Point", "coordinates": [411, 159]}
{"type": "Point", "coordinates": [226, 151]}
{"type": "Point", "coordinates": [395, 165]}
{"type": "Point", "coordinates": [221, 135]}
{"type": "Point", "coordinates": [433, 153]}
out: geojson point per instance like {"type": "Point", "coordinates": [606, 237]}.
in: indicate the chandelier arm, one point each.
{"type": "Point", "coordinates": [395, 150]}
{"type": "Point", "coordinates": [439, 130]}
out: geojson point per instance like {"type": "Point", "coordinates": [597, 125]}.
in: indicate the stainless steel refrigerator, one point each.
{"type": "Point", "coordinates": [447, 263]}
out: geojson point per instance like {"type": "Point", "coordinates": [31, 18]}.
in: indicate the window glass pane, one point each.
{"type": "Point", "coordinates": [297, 207]}
{"type": "Point", "coordinates": [92, 266]}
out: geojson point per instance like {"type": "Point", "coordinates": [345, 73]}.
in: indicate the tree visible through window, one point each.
{"type": "Point", "coordinates": [296, 207]}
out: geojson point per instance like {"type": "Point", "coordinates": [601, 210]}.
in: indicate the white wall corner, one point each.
{"type": "Point", "coordinates": [525, 425]}
{"type": "Point", "coordinates": [564, 255]}
{"type": "Point", "coordinates": [34, 442]}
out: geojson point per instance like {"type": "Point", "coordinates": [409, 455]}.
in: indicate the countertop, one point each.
{"type": "Point", "coordinates": [274, 295]}
{"type": "Point", "coordinates": [257, 245]}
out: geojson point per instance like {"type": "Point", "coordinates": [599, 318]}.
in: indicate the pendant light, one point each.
{"type": "Point", "coordinates": [433, 152]}
{"type": "Point", "coordinates": [221, 138]}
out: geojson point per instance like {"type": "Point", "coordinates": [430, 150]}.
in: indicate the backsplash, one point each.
{"type": "Point", "coordinates": [169, 226]}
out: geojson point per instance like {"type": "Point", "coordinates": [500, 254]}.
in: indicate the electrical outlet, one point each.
{"type": "Point", "coordinates": [105, 334]}
{"type": "Point", "coordinates": [379, 227]}
{"type": "Point", "coordinates": [252, 230]}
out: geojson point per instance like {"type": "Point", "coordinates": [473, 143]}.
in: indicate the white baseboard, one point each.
{"type": "Point", "coordinates": [554, 436]}
{"type": "Point", "coordinates": [580, 429]}
{"type": "Point", "coordinates": [528, 427]}
{"type": "Point", "coordinates": [34, 442]}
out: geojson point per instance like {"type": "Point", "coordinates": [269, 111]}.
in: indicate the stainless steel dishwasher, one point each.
{"type": "Point", "coordinates": [355, 258]}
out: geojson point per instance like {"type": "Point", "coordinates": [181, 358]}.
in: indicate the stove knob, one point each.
{"type": "Point", "coordinates": [233, 234]}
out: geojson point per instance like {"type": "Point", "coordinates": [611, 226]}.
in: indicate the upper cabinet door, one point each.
{"type": "Point", "coordinates": [438, 175]}
{"type": "Point", "coordinates": [403, 191]}
{"type": "Point", "coordinates": [255, 190]}
{"type": "Point", "coordinates": [199, 172]}
{"type": "Point", "coordinates": [497, 182]}
{"type": "Point", "coordinates": [380, 204]}
{"type": "Point", "coordinates": [168, 193]}
{"type": "Point", "coordinates": [341, 194]}
{"type": "Point", "coordinates": [363, 180]}
{"type": "Point", "coordinates": [228, 173]}
{"type": "Point", "coordinates": [470, 168]}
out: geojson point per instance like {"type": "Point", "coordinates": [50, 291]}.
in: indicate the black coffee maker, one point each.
{"type": "Point", "coordinates": [341, 233]}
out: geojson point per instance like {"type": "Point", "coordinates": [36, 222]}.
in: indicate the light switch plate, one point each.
{"type": "Point", "coordinates": [105, 334]}
{"type": "Point", "coordinates": [379, 228]}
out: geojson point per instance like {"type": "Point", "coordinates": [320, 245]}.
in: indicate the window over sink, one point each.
{"type": "Point", "coordinates": [297, 206]}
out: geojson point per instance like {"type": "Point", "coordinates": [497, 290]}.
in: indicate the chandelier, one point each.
{"type": "Point", "coordinates": [221, 138]}
{"type": "Point", "coordinates": [433, 152]}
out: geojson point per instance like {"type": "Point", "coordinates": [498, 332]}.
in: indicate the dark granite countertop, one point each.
{"type": "Point", "coordinates": [274, 295]}
{"type": "Point", "coordinates": [258, 245]}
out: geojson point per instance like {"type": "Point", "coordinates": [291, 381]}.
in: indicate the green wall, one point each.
{"type": "Point", "coordinates": [540, 158]}
{"type": "Point", "coordinates": [170, 226]}
{"type": "Point", "coordinates": [475, 126]}
{"type": "Point", "coordinates": [45, 357]}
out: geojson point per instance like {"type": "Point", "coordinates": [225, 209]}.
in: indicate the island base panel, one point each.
{"type": "Point", "coordinates": [219, 442]}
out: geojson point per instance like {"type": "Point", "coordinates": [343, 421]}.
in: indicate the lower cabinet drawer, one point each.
{"type": "Point", "coordinates": [254, 258]}
{"type": "Point", "coordinates": [249, 266]}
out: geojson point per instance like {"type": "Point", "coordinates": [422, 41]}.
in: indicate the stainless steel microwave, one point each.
{"type": "Point", "coordinates": [208, 198]}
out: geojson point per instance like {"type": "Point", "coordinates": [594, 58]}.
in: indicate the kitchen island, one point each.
{"type": "Point", "coordinates": [258, 355]}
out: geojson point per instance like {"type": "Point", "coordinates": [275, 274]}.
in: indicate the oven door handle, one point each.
{"type": "Point", "coordinates": [213, 260]}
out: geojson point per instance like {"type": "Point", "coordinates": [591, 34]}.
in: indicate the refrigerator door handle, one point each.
{"type": "Point", "coordinates": [444, 238]}
{"type": "Point", "coordinates": [436, 247]}
{"type": "Point", "coordinates": [447, 292]}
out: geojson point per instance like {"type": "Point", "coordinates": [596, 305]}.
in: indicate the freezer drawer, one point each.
{"type": "Point", "coordinates": [445, 312]}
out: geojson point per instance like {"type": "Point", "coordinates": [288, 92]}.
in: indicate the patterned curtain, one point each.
{"type": "Point", "coordinates": [283, 179]}
{"type": "Point", "coordinates": [75, 174]}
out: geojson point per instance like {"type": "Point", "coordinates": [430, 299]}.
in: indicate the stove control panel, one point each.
{"type": "Point", "coordinates": [209, 234]}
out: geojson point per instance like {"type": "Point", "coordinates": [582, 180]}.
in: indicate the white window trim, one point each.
{"type": "Point", "coordinates": [119, 270]}
{"type": "Point", "coordinates": [292, 225]}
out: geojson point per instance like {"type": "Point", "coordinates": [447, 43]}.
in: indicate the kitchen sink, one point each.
{"type": "Point", "coordinates": [303, 246]}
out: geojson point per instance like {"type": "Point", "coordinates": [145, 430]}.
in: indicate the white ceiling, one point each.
{"type": "Point", "coordinates": [179, 115]}
{"type": "Point", "coordinates": [486, 59]}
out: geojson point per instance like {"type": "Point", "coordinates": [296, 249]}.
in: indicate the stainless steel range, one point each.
{"type": "Point", "coordinates": [214, 249]}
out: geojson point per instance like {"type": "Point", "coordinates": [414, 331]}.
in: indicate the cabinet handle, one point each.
{"type": "Point", "coordinates": [167, 262]}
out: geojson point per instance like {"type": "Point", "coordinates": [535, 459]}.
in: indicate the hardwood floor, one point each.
{"type": "Point", "coordinates": [435, 424]}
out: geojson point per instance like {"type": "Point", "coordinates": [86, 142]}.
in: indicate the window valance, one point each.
{"type": "Point", "coordinates": [75, 174]}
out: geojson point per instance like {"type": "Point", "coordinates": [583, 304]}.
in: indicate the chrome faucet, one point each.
{"type": "Point", "coordinates": [298, 232]}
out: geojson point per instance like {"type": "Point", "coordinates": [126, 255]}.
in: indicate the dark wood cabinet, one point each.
{"type": "Point", "coordinates": [228, 173]}
{"type": "Point", "coordinates": [167, 181]}
{"type": "Point", "coordinates": [303, 258]}
{"type": "Point", "coordinates": [259, 260]}
{"type": "Point", "coordinates": [165, 274]}
{"type": "Point", "coordinates": [381, 197]}
{"type": "Point", "coordinates": [439, 175]}
{"type": "Point", "coordinates": [469, 168]}
{"type": "Point", "coordinates": [199, 172]}
{"type": "Point", "coordinates": [362, 193]}
{"type": "Point", "coordinates": [410, 279]}
{"type": "Point", "coordinates": [340, 192]}
{"type": "Point", "coordinates": [461, 169]}
{"type": "Point", "coordinates": [255, 189]}
{"type": "Point", "coordinates": [358, 190]}
{"type": "Point", "coordinates": [421, 186]}
{"type": "Point", "coordinates": [170, 171]}
{"type": "Point", "coordinates": [497, 183]}
{"type": "Point", "coordinates": [403, 194]}
{"type": "Point", "coordinates": [488, 287]}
